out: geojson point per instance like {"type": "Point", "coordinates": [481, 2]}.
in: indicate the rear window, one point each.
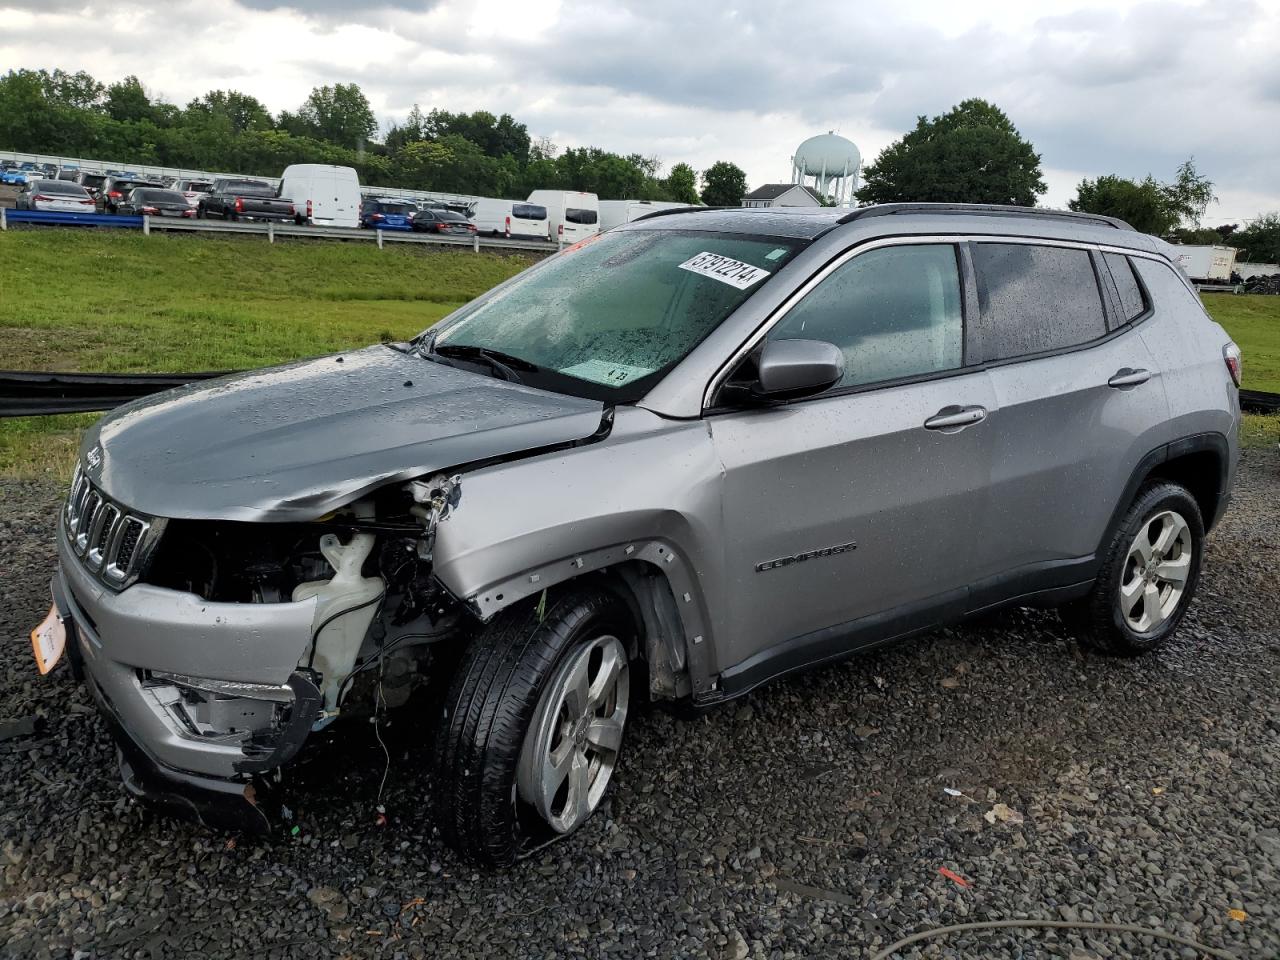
{"type": "Point", "coordinates": [529, 211]}
{"type": "Point", "coordinates": [579, 216]}
{"type": "Point", "coordinates": [92, 179]}
{"type": "Point", "coordinates": [1132, 303]}
{"type": "Point", "coordinates": [451, 217]}
{"type": "Point", "coordinates": [1035, 298]}
{"type": "Point", "coordinates": [197, 186]}
{"type": "Point", "coordinates": [160, 196]}
{"type": "Point", "coordinates": [401, 208]}
{"type": "Point", "coordinates": [59, 187]}
{"type": "Point", "coordinates": [256, 187]}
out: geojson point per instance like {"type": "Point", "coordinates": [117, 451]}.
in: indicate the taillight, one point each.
{"type": "Point", "coordinates": [115, 193]}
{"type": "Point", "coordinates": [508, 226]}
{"type": "Point", "coordinates": [308, 209]}
{"type": "Point", "coordinates": [88, 200]}
{"type": "Point", "coordinates": [1231, 354]}
{"type": "Point", "coordinates": [239, 204]}
{"type": "Point", "coordinates": [41, 197]}
{"type": "Point", "coordinates": [560, 230]}
{"type": "Point", "coordinates": [150, 210]}
{"type": "Point", "coordinates": [376, 216]}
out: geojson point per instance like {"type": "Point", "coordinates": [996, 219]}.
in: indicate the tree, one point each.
{"type": "Point", "coordinates": [1144, 205]}
{"type": "Point", "coordinates": [723, 185]}
{"type": "Point", "coordinates": [1259, 242]}
{"type": "Point", "coordinates": [78, 90]}
{"type": "Point", "coordinates": [972, 154]}
{"type": "Point", "coordinates": [339, 114]}
{"type": "Point", "coordinates": [1190, 193]}
{"type": "Point", "coordinates": [682, 184]}
{"type": "Point", "coordinates": [1150, 206]}
{"type": "Point", "coordinates": [238, 111]}
{"type": "Point", "coordinates": [127, 100]}
{"type": "Point", "coordinates": [413, 129]}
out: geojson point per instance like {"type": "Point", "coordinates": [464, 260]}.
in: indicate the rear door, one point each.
{"type": "Point", "coordinates": [1079, 401]}
{"type": "Point", "coordinates": [851, 516]}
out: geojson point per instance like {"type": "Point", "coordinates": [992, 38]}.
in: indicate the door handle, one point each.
{"type": "Point", "coordinates": [956, 418]}
{"type": "Point", "coordinates": [1129, 377]}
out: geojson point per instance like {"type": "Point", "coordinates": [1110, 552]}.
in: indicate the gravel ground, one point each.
{"type": "Point", "coordinates": [811, 819]}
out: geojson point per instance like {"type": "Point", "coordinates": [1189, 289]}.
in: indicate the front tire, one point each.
{"type": "Point", "coordinates": [532, 727]}
{"type": "Point", "coordinates": [1149, 574]}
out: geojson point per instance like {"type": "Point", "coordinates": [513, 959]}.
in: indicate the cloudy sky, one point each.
{"type": "Point", "coordinates": [1099, 87]}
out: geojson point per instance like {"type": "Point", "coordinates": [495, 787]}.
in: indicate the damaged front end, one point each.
{"type": "Point", "coordinates": [235, 641]}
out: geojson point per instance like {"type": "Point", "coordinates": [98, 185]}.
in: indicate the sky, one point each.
{"type": "Point", "coordinates": [1119, 86]}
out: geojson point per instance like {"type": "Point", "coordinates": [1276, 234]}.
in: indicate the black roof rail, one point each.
{"type": "Point", "coordinates": [982, 210]}
{"type": "Point", "coordinates": [667, 211]}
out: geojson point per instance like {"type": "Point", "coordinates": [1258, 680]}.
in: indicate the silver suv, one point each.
{"type": "Point", "coordinates": [691, 455]}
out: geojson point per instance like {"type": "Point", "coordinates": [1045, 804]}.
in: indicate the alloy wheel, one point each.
{"type": "Point", "coordinates": [1155, 573]}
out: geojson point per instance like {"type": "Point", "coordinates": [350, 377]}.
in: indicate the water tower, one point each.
{"type": "Point", "coordinates": [829, 164]}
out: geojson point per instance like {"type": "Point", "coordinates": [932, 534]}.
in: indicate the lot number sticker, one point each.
{"type": "Point", "coordinates": [725, 269]}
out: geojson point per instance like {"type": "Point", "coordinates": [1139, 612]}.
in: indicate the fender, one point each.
{"type": "Point", "coordinates": [647, 498]}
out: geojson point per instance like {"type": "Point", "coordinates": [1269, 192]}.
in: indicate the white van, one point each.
{"type": "Point", "coordinates": [614, 213]}
{"type": "Point", "coordinates": [572, 216]}
{"type": "Point", "coordinates": [324, 195]}
{"type": "Point", "coordinates": [511, 218]}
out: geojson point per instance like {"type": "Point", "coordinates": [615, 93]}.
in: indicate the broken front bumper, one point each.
{"type": "Point", "coordinates": [192, 744]}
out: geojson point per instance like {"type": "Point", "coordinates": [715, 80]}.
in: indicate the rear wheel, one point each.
{"type": "Point", "coordinates": [533, 725]}
{"type": "Point", "coordinates": [1148, 576]}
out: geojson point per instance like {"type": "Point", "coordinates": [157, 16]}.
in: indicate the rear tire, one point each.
{"type": "Point", "coordinates": [511, 694]}
{"type": "Point", "coordinates": [1148, 576]}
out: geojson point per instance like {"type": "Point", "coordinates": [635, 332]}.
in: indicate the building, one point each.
{"type": "Point", "coordinates": [782, 195]}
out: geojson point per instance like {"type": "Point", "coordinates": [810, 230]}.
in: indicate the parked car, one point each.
{"type": "Point", "coordinates": [702, 451]}
{"type": "Point", "coordinates": [193, 190]}
{"type": "Point", "coordinates": [387, 214]}
{"type": "Point", "coordinates": [442, 221]}
{"type": "Point", "coordinates": [156, 203]}
{"type": "Point", "coordinates": [572, 215]}
{"type": "Point", "coordinates": [12, 175]}
{"type": "Point", "coordinates": [54, 196]}
{"type": "Point", "coordinates": [114, 190]}
{"type": "Point", "coordinates": [92, 182]}
{"type": "Point", "coordinates": [49, 171]}
{"type": "Point", "coordinates": [237, 199]}
{"type": "Point", "coordinates": [322, 195]}
{"type": "Point", "coordinates": [68, 173]}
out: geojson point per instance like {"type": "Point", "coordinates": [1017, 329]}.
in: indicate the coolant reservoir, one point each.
{"type": "Point", "coordinates": [348, 604]}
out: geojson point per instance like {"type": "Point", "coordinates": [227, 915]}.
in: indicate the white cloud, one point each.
{"type": "Point", "coordinates": [1099, 86]}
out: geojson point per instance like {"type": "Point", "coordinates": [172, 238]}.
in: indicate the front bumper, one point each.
{"type": "Point", "coordinates": [118, 641]}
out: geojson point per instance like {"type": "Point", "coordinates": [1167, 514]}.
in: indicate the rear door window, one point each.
{"type": "Point", "coordinates": [572, 215]}
{"type": "Point", "coordinates": [1035, 298]}
{"type": "Point", "coordinates": [528, 211]}
{"type": "Point", "coordinates": [1132, 302]}
{"type": "Point", "coordinates": [894, 312]}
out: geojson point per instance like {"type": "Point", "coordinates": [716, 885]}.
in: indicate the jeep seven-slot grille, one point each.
{"type": "Point", "coordinates": [109, 540]}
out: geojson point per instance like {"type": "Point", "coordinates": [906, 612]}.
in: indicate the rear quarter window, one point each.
{"type": "Point", "coordinates": [1167, 288]}
{"type": "Point", "coordinates": [1132, 302]}
{"type": "Point", "coordinates": [1035, 298]}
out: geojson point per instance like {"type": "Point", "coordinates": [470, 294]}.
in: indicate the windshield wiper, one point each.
{"type": "Point", "coordinates": [504, 364]}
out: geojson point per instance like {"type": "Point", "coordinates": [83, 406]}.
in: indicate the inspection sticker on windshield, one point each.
{"type": "Point", "coordinates": [609, 372]}
{"type": "Point", "coordinates": [725, 269]}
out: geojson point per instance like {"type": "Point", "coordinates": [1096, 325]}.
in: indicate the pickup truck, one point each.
{"type": "Point", "coordinates": [244, 200]}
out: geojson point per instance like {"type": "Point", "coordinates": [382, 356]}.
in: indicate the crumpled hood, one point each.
{"type": "Point", "coordinates": [296, 441]}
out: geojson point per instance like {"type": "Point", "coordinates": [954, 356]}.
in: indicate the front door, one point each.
{"type": "Point", "coordinates": [850, 516]}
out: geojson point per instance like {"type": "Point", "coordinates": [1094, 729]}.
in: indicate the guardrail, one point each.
{"type": "Point", "coordinates": [270, 230]}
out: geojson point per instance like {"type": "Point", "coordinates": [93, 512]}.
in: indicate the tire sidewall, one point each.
{"type": "Point", "coordinates": [1155, 500]}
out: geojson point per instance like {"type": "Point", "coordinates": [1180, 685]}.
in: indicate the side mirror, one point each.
{"type": "Point", "coordinates": [790, 369]}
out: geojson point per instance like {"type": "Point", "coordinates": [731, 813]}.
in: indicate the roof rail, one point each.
{"type": "Point", "coordinates": [982, 210]}
{"type": "Point", "coordinates": [667, 211]}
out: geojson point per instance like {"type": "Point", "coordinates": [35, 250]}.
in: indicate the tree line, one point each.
{"type": "Point", "coordinates": [973, 153]}
{"type": "Point", "coordinates": [75, 115]}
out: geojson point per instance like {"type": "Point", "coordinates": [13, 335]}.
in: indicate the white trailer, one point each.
{"type": "Point", "coordinates": [614, 213]}
{"type": "Point", "coordinates": [1207, 263]}
{"type": "Point", "coordinates": [1249, 270]}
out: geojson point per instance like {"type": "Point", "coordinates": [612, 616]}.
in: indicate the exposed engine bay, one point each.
{"type": "Point", "coordinates": [380, 615]}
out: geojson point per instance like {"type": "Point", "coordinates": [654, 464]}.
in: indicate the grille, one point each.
{"type": "Point", "coordinates": [110, 541]}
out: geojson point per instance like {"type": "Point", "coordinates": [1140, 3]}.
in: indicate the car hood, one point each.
{"type": "Point", "coordinates": [291, 443]}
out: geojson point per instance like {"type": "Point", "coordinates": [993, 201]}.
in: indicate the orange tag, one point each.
{"type": "Point", "coordinates": [48, 640]}
{"type": "Point", "coordinates": [954, 877]}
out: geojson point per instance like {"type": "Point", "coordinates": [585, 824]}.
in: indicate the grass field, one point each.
{"type": "Point", "coordinates": [115, 302]}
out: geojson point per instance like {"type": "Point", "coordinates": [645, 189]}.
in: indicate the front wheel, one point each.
{"type": "Point", "coordinates": [1148, 576]}
{"type": "Point", "coordinates": [532, 727]}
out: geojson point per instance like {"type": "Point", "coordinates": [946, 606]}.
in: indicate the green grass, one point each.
{"type": "Point", "coordinates": [109, 301]}
{"type": "Point", "coordinates": [1254, 324]}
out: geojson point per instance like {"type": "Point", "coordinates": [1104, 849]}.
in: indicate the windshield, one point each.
{"type": "Point", "coordinates": [608, 317]}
